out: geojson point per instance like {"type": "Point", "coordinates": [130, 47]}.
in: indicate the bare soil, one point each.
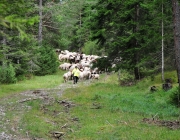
{"type": "Point", "coordinates": [165, 123]}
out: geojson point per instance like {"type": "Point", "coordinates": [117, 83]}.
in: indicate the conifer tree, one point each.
{"type": "Point", "coordinates": [16, 20]}
{"type": "Point", "coordinates": [47, 61]}
{"type": "Point", "coordinates": [130, 30]}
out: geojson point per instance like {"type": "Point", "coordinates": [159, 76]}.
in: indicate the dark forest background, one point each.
{"type": "Point", "coordinates": [136, 35]}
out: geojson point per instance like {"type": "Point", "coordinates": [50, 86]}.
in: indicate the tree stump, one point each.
{"type": "Point", "coordinates": [167, 85]}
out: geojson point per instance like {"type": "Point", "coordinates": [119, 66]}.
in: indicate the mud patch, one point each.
{"type": "Point", "coordinates": [165, 123]}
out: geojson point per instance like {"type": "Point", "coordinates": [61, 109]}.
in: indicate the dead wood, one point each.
{"type": "Point", "coordinates": [57, 134]}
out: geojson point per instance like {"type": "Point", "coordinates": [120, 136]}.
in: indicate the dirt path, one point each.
{"type": "Point", "coordinates": [14, 108]}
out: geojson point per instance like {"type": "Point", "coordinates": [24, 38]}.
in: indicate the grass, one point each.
{"type": "Point", "coordinates": [35, 121]}
{"type": "Point", "coordinates": [36, 82]}
{"type": "Point", "coordinates": [121, 111]}
{"type": "Point", "coordinates": [104, 110]}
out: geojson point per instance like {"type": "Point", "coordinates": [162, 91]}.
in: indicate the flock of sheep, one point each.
{"type": "Point", "coordinates": [84, 62]}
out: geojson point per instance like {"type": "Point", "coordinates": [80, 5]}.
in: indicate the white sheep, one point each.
{"type": "Point", "coordinates": [65, 66]}
{"type": "Point", "coordinates": [86, 68]}
{"type": "Point", "coordinates": [95, 70]}
{"type": "Point", "coordinates": [85, 75]}
{"type": "Point", "coordinates": [66, 76]}
{"type": "Point", "coordinates": [85, 63]}
{"type": "Point", "coordinates": [64, 57]}
{"type": "Point", "coordinates": [72, 67]}
{"type": "Point", "coordinates": [95, 76]}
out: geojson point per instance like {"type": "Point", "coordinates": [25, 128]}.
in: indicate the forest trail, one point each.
{"type": "Point", "coordinates": [14, 105]}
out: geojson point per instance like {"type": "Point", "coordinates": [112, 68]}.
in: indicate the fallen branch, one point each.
{"type": "Point", "coordinates": [64, 126]}
{"type": "Point", "coordinates": [57, 134]}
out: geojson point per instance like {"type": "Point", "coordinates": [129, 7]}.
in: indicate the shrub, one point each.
{"type": "Point", "coordinates": [7, 74]}
{"type": "Point", "coordinates": [175, 97]}
{"type": "Point", "coordinates": [125, 78]}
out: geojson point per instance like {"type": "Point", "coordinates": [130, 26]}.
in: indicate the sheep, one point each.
{"type": "Point", "coordinates": [93, 57]}
{"type": "Point", "coordinates": [86, 75]}
{"type": "Point", "coordinates": [85, 63]}
{"type": "Point", "coordinates": [87, 69]}
{"type": "Point", "coordinates": [58, 51]}
{"type": "Point", "coordinates": [95, 76]}
{"type": "Point", "coordinates": [67, 76]}
{"type": "Point", "coordinates": [95, 70]}
{"type": "Point", "coordinates": [81, 76]}
{"type": "Point", "coordinates": [64, 52]}
{"type": "Point", "coordinates": [65, 66]}
{"type": "Point", "coordinates": [77, 58]}
{"type": "Point", "coordinates": [71, 59]}
{"type": "Point", "coordinates": [72, 67]}
{"type": "Point", "coordinates": [64, 57]}
{"type": "Point", "coordinates": [59, 56]}
{"type": "Point", "coordinates": [61, 66]}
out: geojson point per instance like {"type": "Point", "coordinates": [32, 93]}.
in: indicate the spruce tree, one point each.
{"type": "Point", "coordinates": [129, 31]}
{"type": "Point", "coordinates": [47, 61]}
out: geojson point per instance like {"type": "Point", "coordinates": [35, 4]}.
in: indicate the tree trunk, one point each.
{"type": "Point", "coordinates": [162, 45]}
{"type": "Point", "coordinates": [80, 25]}
{"type": "Point", "coordinates": [136, 57]}
{"type": "Point", "coordinates": [40, 23]}
{"type": "Point", "coordinates": [176, 22]}
{"type": "Point", "coordinates": [4, 57]}
{"type": "Point", "coordinates": [136, 73]}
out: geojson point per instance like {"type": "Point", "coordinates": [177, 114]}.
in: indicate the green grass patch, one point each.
{"type": "Point", "coordinates": [107, 111]}
{"type": "Point", "coordinates": [43, 119]}
{"type": "Point", "coordinates": [36, 82]}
